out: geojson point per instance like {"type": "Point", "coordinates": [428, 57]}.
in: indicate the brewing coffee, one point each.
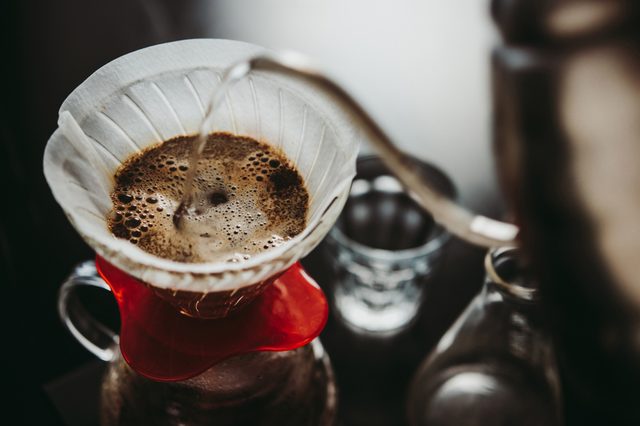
{"type": "Point", "coordinates": [247, 197]}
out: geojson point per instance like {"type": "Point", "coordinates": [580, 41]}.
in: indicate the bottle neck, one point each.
{"type": "Point", "coordinates": [508, 274]}
{"type": "Point", "coordinates": [512, 300]}
{"type": "Point", "coordinates": [508, 279]}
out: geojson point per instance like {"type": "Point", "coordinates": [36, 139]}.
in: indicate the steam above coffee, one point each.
{"type": "Point", "coordinates": [246, 198]}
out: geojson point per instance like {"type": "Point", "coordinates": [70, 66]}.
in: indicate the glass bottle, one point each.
{"type": "Point", "coordinates": [495, 365]}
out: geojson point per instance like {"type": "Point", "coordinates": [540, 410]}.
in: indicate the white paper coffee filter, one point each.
{"type": "Point", "coordinates": [161, 92]}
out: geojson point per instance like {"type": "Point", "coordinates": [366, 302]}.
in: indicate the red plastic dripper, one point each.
{"type": "Point", "coordinates": [160, 343]}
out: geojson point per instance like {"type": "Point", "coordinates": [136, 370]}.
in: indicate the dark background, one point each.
{"type": "Point", "coordinates": [51, 47]}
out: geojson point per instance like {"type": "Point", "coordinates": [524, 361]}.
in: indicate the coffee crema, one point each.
{"type": "Point", "coordinates": [247, 198]}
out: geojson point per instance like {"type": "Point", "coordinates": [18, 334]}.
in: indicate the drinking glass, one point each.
{"type": "Point", "coordinates": [383, 250]}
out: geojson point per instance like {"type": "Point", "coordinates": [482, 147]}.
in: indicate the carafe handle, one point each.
{"type": "Point", "coordinates": [96, 337]}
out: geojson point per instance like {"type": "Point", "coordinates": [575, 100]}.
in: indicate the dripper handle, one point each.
{"type": "Point", "coordinates": [93, 335]}
{"type": "Point", "coordinates": [474, 228]}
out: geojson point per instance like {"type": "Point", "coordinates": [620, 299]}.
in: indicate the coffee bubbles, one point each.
{"type": "Point", "coordinates": [247, 198]}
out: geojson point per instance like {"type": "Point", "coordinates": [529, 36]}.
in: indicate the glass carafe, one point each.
{"type": "Point", "coordinates": [256, 388]}
{"type": "Point", "coordinates": [495, 365]}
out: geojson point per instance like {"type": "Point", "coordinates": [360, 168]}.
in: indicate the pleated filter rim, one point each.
{"type": "Point", "coordinates": [158, 93]}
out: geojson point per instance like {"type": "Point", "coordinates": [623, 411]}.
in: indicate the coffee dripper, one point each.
{"type": "Point", "coordinates": [228, 341]}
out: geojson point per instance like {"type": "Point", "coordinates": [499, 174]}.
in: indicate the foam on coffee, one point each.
{"type": "Point", "coordinates": [247, 198]}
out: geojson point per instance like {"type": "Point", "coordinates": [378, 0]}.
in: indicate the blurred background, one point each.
{"type": "Point", "coordinates": [420, 68]}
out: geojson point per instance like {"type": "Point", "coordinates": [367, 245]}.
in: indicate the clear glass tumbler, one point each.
{"type": "Point", "coordinates": [383, 249]}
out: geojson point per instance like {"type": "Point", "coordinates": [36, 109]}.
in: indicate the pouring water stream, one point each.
{"type": "Point", "coordinates": [232, 75]}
